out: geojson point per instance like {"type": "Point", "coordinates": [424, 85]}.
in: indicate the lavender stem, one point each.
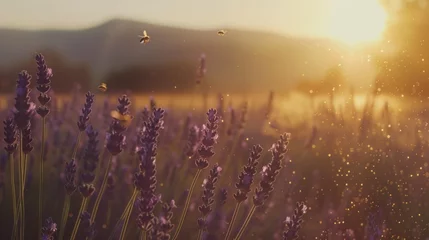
{"type": "Point", "coordinates": [246, 222]}
{"type": "Point", "coordinates": [231, 223]}
{"type": "Point", "coordinates": [76, 225]}
{"type": "Point", "coordinates": [41, 161]}
{"type": "Point", "coordinates": [188, 201]}
{"type": "Point", "coordinates": [128, 210]}
{"type": "Point", "coordinates": [65, 214]}
{"type": "Point", "coordinates": [102, 189]}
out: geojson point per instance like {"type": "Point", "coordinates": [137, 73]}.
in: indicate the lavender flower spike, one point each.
{"type": "Point", "coordinates": [70, 175]}
{"type": "Point", "coordinates": [10, 136]}
{"type": "Point", "coordinates": [23, 106]}
{"type": "Point", "coordinates": [44, 75]}
{"type": "Point", "coordinates": [86, 111]}
{"type": "Point", "coordinates": [48, 231]}
{"type": "Point", "coordinates": [205, 152]}
{"type": "Point", "coordinates": [208, 198]}
{"type": "Point", "coordinates": [146, 179]}
{"type": "Point", "coordinates": [294, 225]}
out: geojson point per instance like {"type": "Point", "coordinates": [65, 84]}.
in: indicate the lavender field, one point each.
{"type": "Point", "coordinates": [92, 165]}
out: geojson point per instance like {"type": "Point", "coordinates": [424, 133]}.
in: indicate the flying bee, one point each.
{"type": "Point", "coordinates": [125, 120]}
{"type": "Point", "coordinates": [221, 32]}
{"type": "Point", "coordinates": [102, 87]}
{"type": "Point", "coordinates": [145, 38]}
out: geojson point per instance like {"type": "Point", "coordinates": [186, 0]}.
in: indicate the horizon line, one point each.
{"type": "Point", "coordinates": [175, 26]}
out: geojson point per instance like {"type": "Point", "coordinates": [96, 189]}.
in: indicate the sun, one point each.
{"type": "Point", "coordinates": [357, 21]}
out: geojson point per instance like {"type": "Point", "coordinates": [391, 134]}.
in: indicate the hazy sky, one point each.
{"type": "Point", "coordinates": [302, 17]}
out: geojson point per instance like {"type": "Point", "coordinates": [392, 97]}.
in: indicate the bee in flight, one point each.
{"type": "Point", "coordinates": [221, 32]}
{"type": "Point", "coordinates": [125, 120]}
{"type": "Point", "coordinates": [145, 38]}
{"type": "Point", "coordinates": [102, 87]}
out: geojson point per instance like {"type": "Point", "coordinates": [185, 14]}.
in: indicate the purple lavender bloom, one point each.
{"type": "Point", "coordinates": [70, 174]}
{"type": "Point", "coordinates": [10, 136]}
{"type": "Point", "coordinates": [23, 106]}
{"type": "Point", "coordinates": [27, 140]}
{"type": "Point", "coordinates": [49, 229]}
{"type": "Point", "coordinates": [86, 111]}
{"type": "Point", "coordinates": [116, 138]}
{"type": "Point", "coordinates": [89, 227]}
{"type": "Point", "coordinates": [294, 225]}
{"type": "Point", "coordinates": [271, 171]}
{"type": "Point", "coordinates": [44, 75]}
{"type": "Point", "coordinates": [145, 180]}
{"type": "Point", "coordinates": [90, 157]}
{"type": "Point", "coordinates": [165, 226]}
{"type": "Point", "coordinates": [208, 196]}
{"type": "Point", "coordinates": [247, 175]}
{"type": "Point", "coordinates": [206, 149]}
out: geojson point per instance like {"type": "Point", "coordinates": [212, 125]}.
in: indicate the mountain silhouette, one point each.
{"type": "Point", "coordinates": [256, 60]}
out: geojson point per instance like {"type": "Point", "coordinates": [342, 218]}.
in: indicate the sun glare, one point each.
{"type": "Point", "coordinates": [357, 21]}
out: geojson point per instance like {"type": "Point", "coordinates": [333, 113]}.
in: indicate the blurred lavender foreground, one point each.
{"type": "Point", "coordinates": [115, 171]}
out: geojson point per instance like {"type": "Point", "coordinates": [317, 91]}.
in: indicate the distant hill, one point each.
{"type": "Point", "coordinates": [256, 60]}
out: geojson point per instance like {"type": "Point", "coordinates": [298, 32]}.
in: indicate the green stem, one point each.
{"type": "Point", "coordinates": [42, 152]}
{"type": "Point", "coordinates": [200, 234]}
{"type": "Point", "coordinates": [128, 214]}
{"type": "Point", "coordinates": [109, 213]}
{"type": "Point", "coordinates": [77, 145]}
{"type": "Point", "coordinates": [20, 170]}
{"type": "Point", "coordinates": [76, 225]}
{"type": "Point", "coordinates": [65, 215]}
{"type": "Point", "coordinates": [24, 176]}
{"type": "Point", "coordinates": [98, 169]}
{"type": "Point", "coordinates": [102, 189]}
{"type": "Point", "coordinates": [12, 182]}
{"type": "Point", "coordinates": [15, 224]}
{"type": "Point", "coordinates": [246, 222]}
{"type": "Point", "coordinates": [231, 223]}
{"type": "Point", "coordinates": [188, 201]}
{"type": "Point", "coordinates": [143, 235]}
{"type": "Point", "coordinates": [124, 213]}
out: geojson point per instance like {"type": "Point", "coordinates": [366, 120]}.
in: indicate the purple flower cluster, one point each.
{"type": "Point", "coordinates": [116, 138]}
{"type": "Point", "coordinates": [70, 175]}
{"type": "Point", "coordinates": [206, 149]}
{"type": "Point", "coordinates": [208, 196]}
{"type": "Point", "coordinates": [44, 75]}
{"type": "Point", "coordinates": [270, 172]}
{"type": "Point", "coordinates": [10, 136]}
{"type": "Point", "coordinates": [245, 179]}
{"type": "Point", "coordinates": [294, 225]}
{"type": "Point", "coordinates": [90, 161]}
{"type": "Point", "coordinates": [49, 229]}
{"type": "Point", "coordinates": [86, 111]}
{"type": "Point", "coordinates": [145, 180]}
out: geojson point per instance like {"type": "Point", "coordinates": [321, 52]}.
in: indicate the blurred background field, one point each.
{"type": "Point", "coordinates": [348, 80]}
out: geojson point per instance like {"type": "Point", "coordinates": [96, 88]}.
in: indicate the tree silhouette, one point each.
{"type": "Point", "coordinates": [169, 77]}
{"type": "Point", "coordinates": [66, 74]}
{"type": "Point", "coordinates": [333, 77]}
{"type": "Point", "coordinates": [403, 60]}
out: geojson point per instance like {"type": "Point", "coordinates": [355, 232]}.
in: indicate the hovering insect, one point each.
{"type": "Point", "coordinates": [145, 38]}
{"type": "Point", "coordinates": [221, 32]}
{"type": "Point", "coordinates": [102, 87]}
{"type": "Point", "coordinates": [125, 120]}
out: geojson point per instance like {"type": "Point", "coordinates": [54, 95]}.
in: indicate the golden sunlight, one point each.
{"type": "Point", "coordinates": [357, 21]}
